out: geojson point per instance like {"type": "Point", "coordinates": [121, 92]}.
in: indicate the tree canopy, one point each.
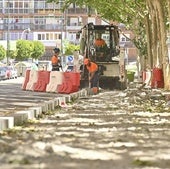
{"type": "Point", "coordinates": [38, 50]}
{"type": "Point", "coordinates": [29, 49]}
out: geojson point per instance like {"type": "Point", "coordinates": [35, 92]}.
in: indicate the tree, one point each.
{"type": "Point", "coordinates": [70, 48]}
{"type": "Point", "coordinates": [24, 49]}
{"type": "Point", "coordinates": [157, 35]}
{"type": "Point", "coordinates": [38, 50]}
{"type": "Point", "coordinates": [2, 52]}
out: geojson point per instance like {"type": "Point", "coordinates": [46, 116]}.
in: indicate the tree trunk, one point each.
{"type": "Point", "coordinates": [158, 47]}
{"type": "Point", "coordinates": [163, 50]}
{"type": "Point", "coordinates": [149, 61]}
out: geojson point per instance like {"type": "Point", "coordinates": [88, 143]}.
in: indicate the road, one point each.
{"type": "Point", "coordinates": [13, 98]}
{"type": "Point", "coordinates": [112, 130]}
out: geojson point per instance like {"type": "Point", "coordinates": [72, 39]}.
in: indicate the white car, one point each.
{"type": "Point", "coordinates": [14, 73]}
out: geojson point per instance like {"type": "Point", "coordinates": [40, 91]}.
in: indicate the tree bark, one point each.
{"type": "Point", "coordinates": [163, 50]}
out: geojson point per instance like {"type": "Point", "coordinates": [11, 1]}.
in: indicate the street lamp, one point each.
{"type": "Point", "coordinates": [27, 30]}
{"type": "Point", "coordinates": [8, 40]}
{"type": "Point", "coordinates": [61, 20]}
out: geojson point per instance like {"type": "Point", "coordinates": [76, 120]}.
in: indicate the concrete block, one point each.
{"type": "Point", "coordinates": [56, 102]}
{"type": "Point", "coordinates": [3, 124]}
{"type": "Point", "coordinates": [83, 92]}
{"type": "Point", "coordinates": [20, 118]}
{"type": "Point", "coordinates": [29, 112]}
{"type": "Point", "coordinates": [68, 98]}
{"type": "Point", "coordinates": [44, 107]}
{"type": "Point", "coordinates": [50, 105]}
{"type": "Point", "coordinates": [37, 111]}
{"type": "Point", "coordinates": [10, 121]}
{"type": "Point", "coordinates": [62, 101]}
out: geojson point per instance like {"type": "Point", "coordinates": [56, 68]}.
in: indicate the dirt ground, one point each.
{"type": "Point", "coordinates": [112, 130]}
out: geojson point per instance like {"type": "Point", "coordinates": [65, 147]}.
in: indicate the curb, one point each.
{"type": "Point", "coordinates": [21, 117]}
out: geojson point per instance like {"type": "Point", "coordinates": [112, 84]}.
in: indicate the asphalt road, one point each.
{"type": "Point", "coordinates": [13, 98]}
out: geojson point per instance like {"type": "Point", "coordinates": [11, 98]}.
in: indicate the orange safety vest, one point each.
{"type": "Point", "coordinates": [92, 68]}
{"type": "Point", "coordinates": [54, 60]}
{"type": "Point", "coordinates": [100, 42]}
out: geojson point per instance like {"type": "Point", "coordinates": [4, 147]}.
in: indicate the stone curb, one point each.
{"type": "Point", "coordinates": [21, 117]}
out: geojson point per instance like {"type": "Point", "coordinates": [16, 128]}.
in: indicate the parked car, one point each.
{"type": "Point", "coordinates": [8, 72]}
{"type": "Point", "coordinates": [2, 73]}
{"type": "Point", "coordinates": [13, 72]}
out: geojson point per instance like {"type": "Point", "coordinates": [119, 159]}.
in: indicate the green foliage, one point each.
{"type": "Point", "coordinates": [70, 48]}
{"type": "Point", "coordinates": [25, 49]}
{"type": "Point", "coordinates": [2, 52]}
{"type": "Point", "coordinates": [38, 50]}
{"type": "Point", "coordinates": [12, 54]}
{"type": "Point", "coordinates": [142, 163]}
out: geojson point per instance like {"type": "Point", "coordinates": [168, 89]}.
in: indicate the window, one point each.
{"type": "Point", "coordinates": [55, 36]}
{"type": "Point", "coordinates": [47, 36]}
{"type": "Point", "coordinates": [51, 36]}
{"type": "Point", "coordinates": [43, 37]}
{"type": "Point", "coordinates": [39, 37]}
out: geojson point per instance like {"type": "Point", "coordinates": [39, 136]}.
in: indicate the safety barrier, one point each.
{"type": "Point", "coordinates": [26, 79]}
{"type": "Point", "coordinates": [56, 78]}
{"type": "Point", "coordinates": [146, 77]}
{"type": "Point", "coordinates": [43, 80]}
{"type": "Point", "coordinates": [157, 78]}
{"type": "Point", "coordinates": [52, 81]}
{"type": "Point", "coordinates": [71, 83]}
{"type": "Point", "coordinates": [32, 80]}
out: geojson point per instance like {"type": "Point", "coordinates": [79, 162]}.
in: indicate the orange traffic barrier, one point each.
{"type": "Point", "coordinates": [73, 77]}
{"type": "Point", "coordinates": [157, 78]}
{"type": "Point", "coordinates": [43, 80]}
{"type": "Point", "coordinates": [26, 79]}
{"type": "Point", "coordinates": [70, 83]}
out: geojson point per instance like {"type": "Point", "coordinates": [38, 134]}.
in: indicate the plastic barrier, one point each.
{"type": "Point", "coordinates": [43, 80]}
{"type": "Point", "coordinates": [26, 79]}
{"type": "Point", "coordinates": [32, 80]}
{"type": "Point", "coordinates": [157, 78]}
{"type": "Point", "coordinates": [71, 83]}
{"type": "Point", "coordinates": [146, 77]}
{"type": "Point", "coordinates": [56, 78]}
{"type": "Point", "coordinates": [143, 76]}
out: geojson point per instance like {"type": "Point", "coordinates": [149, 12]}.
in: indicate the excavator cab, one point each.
{"type": "Point", "coordinates": [100, 43]}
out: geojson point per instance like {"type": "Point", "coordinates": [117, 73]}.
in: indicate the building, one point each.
{"type": "Point", "coordinates": [39, 20]}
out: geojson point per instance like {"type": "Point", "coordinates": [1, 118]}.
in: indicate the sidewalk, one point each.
{"type": "Point", "coordinates": [111, 130]}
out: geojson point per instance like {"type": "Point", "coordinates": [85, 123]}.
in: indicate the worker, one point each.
{"type": "Point", "coordinates": [55, 60]}
{"type": "Point", "coordinates": [99, 42]}
{"type": "Point", "coordinates": [101, 47]}
{"type": "Point", "coordinates": [93, 75]}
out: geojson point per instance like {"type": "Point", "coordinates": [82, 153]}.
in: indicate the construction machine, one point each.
{"type": "Point", "coordinates": [105, 53]}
